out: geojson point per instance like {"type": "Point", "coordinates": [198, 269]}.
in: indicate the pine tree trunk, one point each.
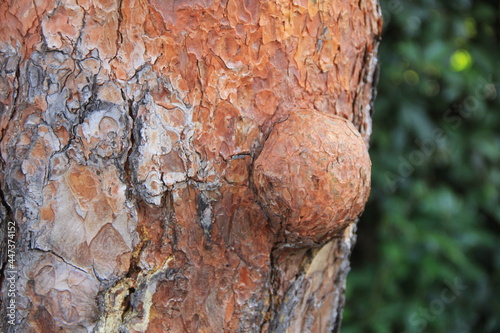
{"type": "Point", "coordinates": [162, 162]}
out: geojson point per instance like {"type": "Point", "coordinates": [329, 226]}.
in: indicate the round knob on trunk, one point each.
{"type": "Point", "coordinates": [312, 177]}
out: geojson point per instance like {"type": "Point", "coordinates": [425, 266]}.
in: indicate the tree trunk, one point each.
{"type": "Point", "coordinates": [182, 166]}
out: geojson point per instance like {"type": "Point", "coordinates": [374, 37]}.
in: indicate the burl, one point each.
{"type": "Point", "coordinates": [312, 177]}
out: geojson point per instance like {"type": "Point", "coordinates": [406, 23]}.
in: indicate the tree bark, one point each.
{"type": "Point", "coordinates": [131, 141]}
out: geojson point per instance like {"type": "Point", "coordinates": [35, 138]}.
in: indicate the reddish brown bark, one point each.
{"type": "Point", "coordinates": [312, 177]}
{"type": "Point", "coordinates": [129, 137]}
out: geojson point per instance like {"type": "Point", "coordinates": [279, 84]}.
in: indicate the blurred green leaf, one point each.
{"type": "Point", "coordinates": [440, 218]}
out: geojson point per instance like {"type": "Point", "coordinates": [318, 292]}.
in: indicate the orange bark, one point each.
{"type": "Point", "coordinates": [129, 133]}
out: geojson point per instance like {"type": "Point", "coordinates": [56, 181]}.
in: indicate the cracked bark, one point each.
{"type": "Point", "coordinates": [129, 135]}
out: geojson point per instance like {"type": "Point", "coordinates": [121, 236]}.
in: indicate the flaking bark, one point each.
{"type": "Point", "coordinates": [128, 135]}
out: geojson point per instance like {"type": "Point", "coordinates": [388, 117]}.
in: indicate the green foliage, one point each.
{"type": "Point", "coordinates": [428, 252]}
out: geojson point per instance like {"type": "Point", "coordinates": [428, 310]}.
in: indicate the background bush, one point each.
{"type": "Point", "coordinates": [428, 251]}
